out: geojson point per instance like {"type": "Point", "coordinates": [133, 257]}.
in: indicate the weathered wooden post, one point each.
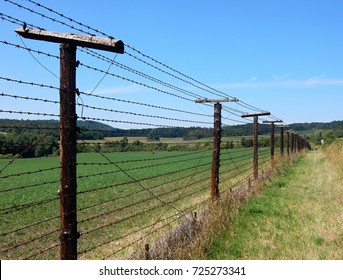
{"type": "Point", "coordinates": [68, 129]}
{"type": "Point", "coordinates": [216, 151]}
{"type": "Point", "coordinates": [67, 192]}
{"type": "Point", "coordinates": [287, 142]}
{"type": "Point", "coordinates": [292, 142]}
{"type": "Point", "coordinates": [281, 140]}
{"type": "Point", "coordinates": [216, 142]}
{"type": "Point", "coordinates": [272, 138]}
{"type": "Point", "coordinates": [255, 143]}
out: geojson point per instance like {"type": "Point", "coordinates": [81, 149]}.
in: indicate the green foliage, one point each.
{"type": "Point", "coordinates": [27, 144]}
{"type": "Point", "coordinates": [38, 138]}
{"type": "Point", "coordinates": [152, 136]}
{"type": "Point", "coordinates": [197, 133]}
{"type": "Point", "coordinates": [247, 143]}
{"type": "Point", "coordinates": [228, 145]}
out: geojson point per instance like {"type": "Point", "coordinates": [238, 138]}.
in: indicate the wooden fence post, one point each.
{"type": "Point", "coordinates": [216, 151]}
{"type": "Point", "coordinates": [69, 234]}
{"type": "Point", "coordinates": [216, 142]}
{"type": "Point", "coordinates": [292, 142]}
{"type": "Point", "coordinates": [68, 118]}
{"type": "Point", "coordinates": [255, 142]}
{"type": "Point", "coordinates": [281, 140]}
{"type": "Point", "coordinates": [272, 138]}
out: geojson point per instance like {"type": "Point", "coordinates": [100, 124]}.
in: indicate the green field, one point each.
{"type": "Point", "coordinates": [123, 198]}
{"type": "Point", "coordinates": [174, 140]}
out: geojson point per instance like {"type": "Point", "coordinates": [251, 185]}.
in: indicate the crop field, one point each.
{"type": "Point", "coordinates": [174, 140]}
{"type": "Point", "coordinates": [122, 199]}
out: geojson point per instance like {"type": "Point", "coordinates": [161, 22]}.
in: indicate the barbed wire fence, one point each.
{"type": "Point", "coordinates": [126, 199]}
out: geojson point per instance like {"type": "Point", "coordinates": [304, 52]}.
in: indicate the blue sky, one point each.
{"type": "Point", "coordinates": [281, 56]}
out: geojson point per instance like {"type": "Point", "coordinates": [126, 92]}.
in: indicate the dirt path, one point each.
{"type": "Point", "coordinates": [298, 216]}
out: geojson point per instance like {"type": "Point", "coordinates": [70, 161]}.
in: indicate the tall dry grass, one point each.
{"type": "Point", "coordinates": [298, 216]}
{"type": "Point", "coordinates": [192, 237]}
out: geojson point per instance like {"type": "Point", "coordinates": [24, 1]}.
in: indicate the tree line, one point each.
{"type": "Point", "coordinates": [38, 138]}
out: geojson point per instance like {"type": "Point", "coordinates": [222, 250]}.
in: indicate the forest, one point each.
{"type": "Point", "coordinates": [38, 138]}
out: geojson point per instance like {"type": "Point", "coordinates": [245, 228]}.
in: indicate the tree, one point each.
{"type": "Point", "coordinates": [228, 145]}
{"type": "Point", "coordinates": [247, 143]}
{"type": "Point", "coordinates": [152, 136]}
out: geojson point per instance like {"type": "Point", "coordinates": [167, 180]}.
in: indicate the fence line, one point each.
{"type": "Point", "coordinates": [123, 198]}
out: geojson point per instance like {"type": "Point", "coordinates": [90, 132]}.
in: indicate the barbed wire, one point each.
{"type": "Point", "coordinates": [40, 252]}
{"type": "Point", "coordinates": [138, 214]}
{"type": "Point", "coordinates": [159, 185]}
{"type": "Point", "coordinates": [29, 241]}
{"type": "Point", "coordinates": [218, 93]}
{"type": "Point", "coordinates": [29, 172]}
{"type": "Point", "coordinates": [121, 237]}
{"type": "Point", "coordinates": [103, 97]}
{"type": "Point", "coordinates": [7, 79]}
{"type": "Point", "coordinates": [16, 208]}
{"type": "Point", "coordinates": [135, 82]}
{"type": "Point", "coordinates": [16, 21]}
{"type": "Point", "coordinates": [153, 224]}
{"type": "Point", "coordinates": [142, 115]}
{"type": "Point", "coordinates": [141, 74]}
{"type": "Point", "coordinates": [212, 90]}
{"type": "Point", "coordinates": [145, 200]}
{"type": "Point", "coordinates": [29, 113]}
{"type": "Point", "coordinates": [166, 188]}
{"type": "Point", "coordinates": [30, 225]}
{"type": "Point", "coordinates": [156, 165]}
{"type": "Point", "coordinates": [28, 98]}
{"type": "Point", "coordinates": [134, 181]}
{"type": "Point", "coordinates": [43, 15]}
{"type": "Point", "coordinates": [28, 49]}
{"type": "Point", "coordinates": [69, 19]}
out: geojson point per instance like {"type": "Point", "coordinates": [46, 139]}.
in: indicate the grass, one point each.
{"type": "Point", "coordinates": [298, 216]}
{"type": "Point", "coordinates": [111, 204]}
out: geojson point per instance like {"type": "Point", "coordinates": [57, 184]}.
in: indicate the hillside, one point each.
{"type": "Point", "coordinates": [96, 130]}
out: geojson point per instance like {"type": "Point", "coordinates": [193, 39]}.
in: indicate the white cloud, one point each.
{"type": "Point", "coordinates": [316, 77]}
{"type": "Point", "coordinates": [280, 77]}
{"type": "Point", "coordinates": [252, 79]}
{"type": "Point", "coordinates": [311, 82]}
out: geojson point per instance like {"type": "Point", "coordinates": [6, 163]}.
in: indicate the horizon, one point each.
{"type": "Point", "coordinates": [279, 57]}
{"type": "Point", "coordinates": [54, 120]}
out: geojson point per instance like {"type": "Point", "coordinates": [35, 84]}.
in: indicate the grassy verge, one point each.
{"type": "Point", "coordinates": [298, 216]}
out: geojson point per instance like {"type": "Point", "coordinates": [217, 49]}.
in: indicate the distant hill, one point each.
{"type": "Point", "coordinates": [335, 125]}
{"type": "Point", "coordinates": [97, 130]}
{"type": "Point", "coordinates": [88, 130]}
